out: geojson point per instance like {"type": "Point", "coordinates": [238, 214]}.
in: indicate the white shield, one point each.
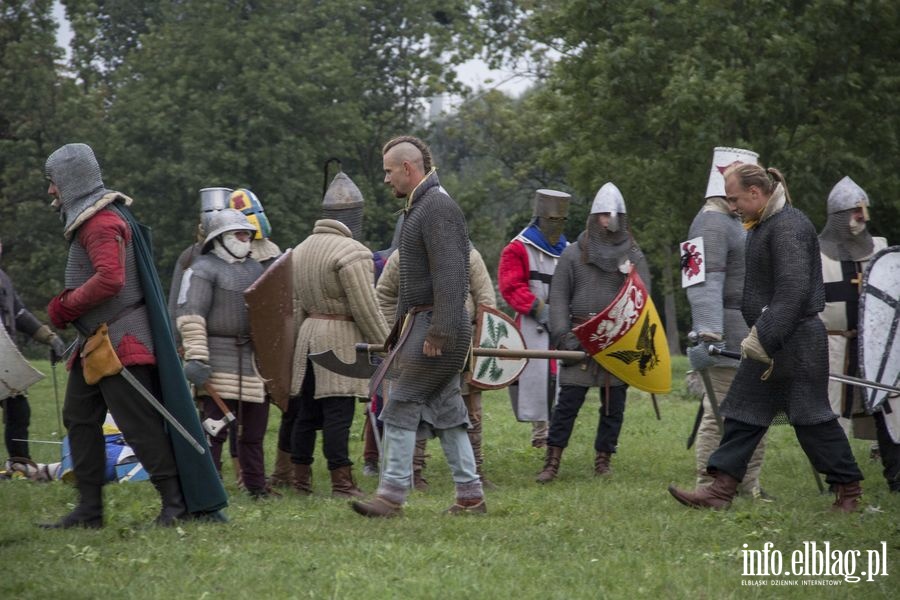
{"type": "Point", "coordinates": [494, 329]}
{"type": "Point", "coordinates": [879, 324]}
{"type": "Point", "coordinates": [693, 262]}
{"type": "Point", "coordinates": [16, 375]}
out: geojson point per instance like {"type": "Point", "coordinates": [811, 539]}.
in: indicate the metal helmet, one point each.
{"type": "Point", "coordinates": [845, 195]}
{"type": "Point", "coordinates": [246, 201]}
{"type": "Point", "coordinates": [225, 220]}
{"type": "Point", "coordinates": [75, 172]}
{"type": "Point", "coordinates": [212, 200]}
{"type": "Point", "coordinates": [551, 203]}
{"type": "Point", "coordinates": [609, 200]}
{"type": "Point", "coordinates": [344, 202]}
{"type": "Point", "coordinates": [722, 159]}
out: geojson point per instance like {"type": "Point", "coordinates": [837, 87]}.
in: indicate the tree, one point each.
{"type": "Point", "coordinates": [39, 110]}
{"type": "Point", "coordinates": [644, 90]}
{"type": "Point", "coordinates": [260, 94]}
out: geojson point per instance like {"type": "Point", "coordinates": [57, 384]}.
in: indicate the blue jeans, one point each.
{"type": "Point", "coordinates": [400, 444]}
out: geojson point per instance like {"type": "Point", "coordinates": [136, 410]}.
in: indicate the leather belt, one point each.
{"type": "Point", "coordinates": [581, 320]}
{"type": "Point", "coordinates": [330, 317]}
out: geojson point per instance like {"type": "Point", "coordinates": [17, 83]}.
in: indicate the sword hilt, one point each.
{"type": "Point", "coordinates": [714, 350]}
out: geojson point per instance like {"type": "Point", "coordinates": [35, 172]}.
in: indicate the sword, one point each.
{"type": "Point", "coordinates": [156, 404]}
{"type": "Point", "coordinates": [59, 427]}
{"type": "Point", "coordinates": [710, 392]}
{"type": "Point", "coordinates": [847, 379]}
{"type": "Point", "coordinates": [137, 385]}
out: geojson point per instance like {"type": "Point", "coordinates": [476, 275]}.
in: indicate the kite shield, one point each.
{"type": "Point", "coordinates": [16, 375]}
{"type": "Point", "coordinates": [270, 305]}
{"type": "Point", "coordinates": [879, 325]}
{"type": "Point", "coordinates": [628, 340]}
{"type": "Point", "coordinates": [493, 329]}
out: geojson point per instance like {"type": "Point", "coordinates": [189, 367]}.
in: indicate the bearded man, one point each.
{"type": "Point", "coordinates": [434, 336]}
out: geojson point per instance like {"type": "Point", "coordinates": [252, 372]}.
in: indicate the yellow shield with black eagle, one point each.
{"type": "Point", "coordinates": [628, 340]}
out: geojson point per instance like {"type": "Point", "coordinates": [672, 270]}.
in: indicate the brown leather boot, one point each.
{"type": "Point", "coordinates": [377, 507]}
{"type": "Point", "coordinates": [846, 497]}
{"type": "Point", "coordinates": [342, 485]}
{"type": "Point", "coordinates": [601, 464]}
{"type": "Point", "coordinates": [283, 473]}
{"type": "Point", "coordinates": [716, 495]}
{"type": "Point", "coordinates": [468, 506]}
{"type": "Point", "coordinates": [303, 479]}
{"type": "Point", "coordinates": [551, 465]}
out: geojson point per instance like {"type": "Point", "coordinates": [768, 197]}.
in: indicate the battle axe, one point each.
{"type": "Point", "coordinates": [364, 369]}
{"type": "Point", "coordinates": [214, 426]}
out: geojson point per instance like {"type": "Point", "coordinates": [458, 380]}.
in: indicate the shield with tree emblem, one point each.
{"type": "Point", "coordinates": [494, 329]}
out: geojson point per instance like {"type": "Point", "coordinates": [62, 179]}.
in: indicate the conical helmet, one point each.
{"type": "Point", "coordinates": [344, 202]}
{"type": "Point", "coordinates": [847, 194]}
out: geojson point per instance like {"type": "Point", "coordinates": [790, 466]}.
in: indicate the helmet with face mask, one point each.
{"type": "Point", "coordinates": [551, 209]}
{"type": "Point", "coordinates": [246, 201]}
{"type": "Point", "coordinates": [212, 200]}
{"type": "Point", "coordinates": [845, 235]}
{"type": "Point", "coordinates": [224, 224]}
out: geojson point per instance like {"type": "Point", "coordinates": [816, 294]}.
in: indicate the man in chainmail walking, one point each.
{"type": "Point", "coordinates": [423, 388]}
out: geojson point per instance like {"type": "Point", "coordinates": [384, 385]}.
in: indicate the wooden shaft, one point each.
{"type": "Point", "coordinates": [500, 352]}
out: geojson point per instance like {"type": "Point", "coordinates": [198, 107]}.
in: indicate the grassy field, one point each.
{"type": "Point", "coordinates": [579, 537]}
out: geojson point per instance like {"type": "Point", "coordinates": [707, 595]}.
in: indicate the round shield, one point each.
{"type": "Point", "coordinates": [493, 329]}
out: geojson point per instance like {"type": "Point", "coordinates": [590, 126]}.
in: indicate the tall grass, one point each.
{"type": "Point", "coordinates": [578, 537]}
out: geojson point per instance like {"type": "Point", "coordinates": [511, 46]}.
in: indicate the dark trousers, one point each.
{"type": "Point", "coordinates": [286, 428]}
{"type": "Point", "coordinates": [85, 409]}
{"type": "Point", "coordinates": [333, 415]}
{"type": "Point", "coordinates": [825, 444]}
{"type": "Point", "coordinates": [16, 418]}
{"type": "Point", "coordinates": [890, 453]}
{"type": "Point", "coordinates": [569, 402]}
{"type": "Point", "coordinates": [249, 430]}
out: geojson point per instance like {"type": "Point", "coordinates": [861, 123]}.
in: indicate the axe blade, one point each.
{"type": "Point", "coordinates": [361, 369]}
{"type": "Point", "coordinates": [214, 426]}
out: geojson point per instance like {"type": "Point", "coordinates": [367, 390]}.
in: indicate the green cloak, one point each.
{"type": "Point", "coordinates": [200, 483]}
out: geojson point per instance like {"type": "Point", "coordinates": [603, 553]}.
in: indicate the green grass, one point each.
{"type": "Point", "coordinates": [578, 537]}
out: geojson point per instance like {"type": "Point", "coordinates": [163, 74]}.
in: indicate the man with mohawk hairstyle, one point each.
{"type": "Point", "coordinates": [334, 308]}
{"type": "Point", "coordinates": [431, 338]}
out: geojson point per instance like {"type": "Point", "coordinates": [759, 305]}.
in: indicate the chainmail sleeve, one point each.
{"type": "Point", "coordinates": [795, 264]}
{"type": "Point", "coordinates": [193, 304]}
{"type": "Point", "coordinates": [560, 296]}
{"type": "Point", "coordinates": [447, 246]}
